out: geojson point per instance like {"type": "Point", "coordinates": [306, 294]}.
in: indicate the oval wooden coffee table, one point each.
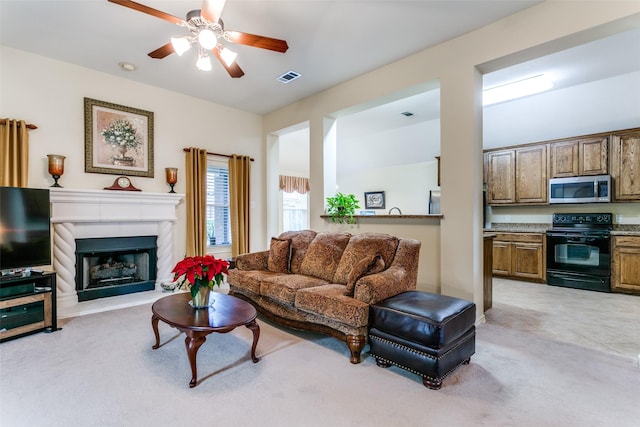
{"type": "Point", "coordinates": [224, 315]}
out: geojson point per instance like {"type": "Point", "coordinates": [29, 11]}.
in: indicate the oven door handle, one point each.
{"type": "Point", "coordinates": [579, 239]}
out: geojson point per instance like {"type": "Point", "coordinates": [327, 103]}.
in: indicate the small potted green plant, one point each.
{"type": "Point", "coordinates": [342, 207]}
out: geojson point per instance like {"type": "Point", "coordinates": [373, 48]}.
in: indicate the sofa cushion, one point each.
{"type": "Point", "coordinates": [323, 255]}
{"type": "Point", "coordinates": [283, 287]}
{"type": "Point", "coordinates": [369, 265]}
{"type": "Point", "coordinates": [330, 301]}
{"type": "Point", "coordinates": [300, 241]}
{"type": "Point", "coordinates": [362, 246]}
{"type": "Point", "coordinates": [249, 279]}
{"type": "Point", "coordinates": [279, 255]}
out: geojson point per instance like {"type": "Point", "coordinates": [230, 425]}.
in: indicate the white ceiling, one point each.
{"type": "Point", "coordinates": [330, 41]}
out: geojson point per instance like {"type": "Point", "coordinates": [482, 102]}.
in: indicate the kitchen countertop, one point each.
{"type": "Point", "coordinates": [517, 228]}
{"type": "Point", "coordinates": [618, 229]}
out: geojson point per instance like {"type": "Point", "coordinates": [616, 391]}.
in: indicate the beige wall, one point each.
{"type": "Point", "coordinates": [542, 29]}
{"type": "Point", "coordinates": [50, 94]}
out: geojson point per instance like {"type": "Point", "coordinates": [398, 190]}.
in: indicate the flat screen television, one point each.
{"type": "Point", "coordinates": [25, 228]}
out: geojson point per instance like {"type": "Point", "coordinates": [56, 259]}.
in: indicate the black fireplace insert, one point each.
{"type": "Point", "coordinates": [111, 266]}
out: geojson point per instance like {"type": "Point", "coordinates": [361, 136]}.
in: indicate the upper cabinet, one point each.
{"type": "Point", "coordinates": [586, 156]}
{"type": "Point", "coordinates": [517, 176]}
{"type": "Point", "coordinates": [531, 174]}
{"type": "Point", "coordinates": [625, 166]}
{"type": "Point", "coordinates": [500, 169]}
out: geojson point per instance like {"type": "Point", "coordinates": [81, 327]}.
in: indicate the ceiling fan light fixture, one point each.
{"type": "Point", "coordinates": [228, 56]}
{"type": "Point", "coordinates": [203, 63]}
{"type": "Point", "coordinates": [207, 39]}
{"type": "Point", "coordinates": [180, 45]}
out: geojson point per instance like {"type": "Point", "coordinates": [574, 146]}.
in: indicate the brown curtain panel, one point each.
{"type": "Point", "coordinates": [239, 174]}
{"type": "Point", "coordinates": [14, 153]}
{"type": "Point", "coordinates": [196, 170]}
{"type": "Point", "coordinates": [289, 184]}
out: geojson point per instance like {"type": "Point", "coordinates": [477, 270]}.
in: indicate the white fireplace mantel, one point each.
{"type": "Point", "coordinates": [79, 214]}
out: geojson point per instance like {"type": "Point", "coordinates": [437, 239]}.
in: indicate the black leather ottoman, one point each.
{"type": "Point", "coordinates": [427, 334]}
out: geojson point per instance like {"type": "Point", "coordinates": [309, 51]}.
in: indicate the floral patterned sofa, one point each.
{"type": "Point", "coordinates": [325, 282]}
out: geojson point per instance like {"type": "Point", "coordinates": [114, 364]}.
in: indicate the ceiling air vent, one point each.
{"type": "Point", "coordinates": [407, 113]}
{"type": "Point", "coordinates": [288, 77]}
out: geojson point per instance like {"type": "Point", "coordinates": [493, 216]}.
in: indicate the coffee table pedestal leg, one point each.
{"type": "Point", "coordinates": [193, 341]}
{"type": "Point", "coordinates": [154, 324]}
{"type": "Point", "coordinates": [253, 326]}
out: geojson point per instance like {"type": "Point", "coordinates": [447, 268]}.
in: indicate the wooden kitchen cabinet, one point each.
{"type": "Point", "coordinates": [625, 167]}
{"type": "Point", "coordinates": [580, 157]}
{"type": "Point", "coordinates": [500, 179]}
{"type": "Point", "coordinates": [517, 176]}
{"type": "Point", "coordinates": [625, 264]}
{"type": "Point", "coordinates": [531, 174]}
{"type": "Point", "coordinates": [520, 255]}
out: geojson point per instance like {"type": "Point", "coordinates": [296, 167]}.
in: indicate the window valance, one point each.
{"type": "Point", "coordinates": [289, 184]}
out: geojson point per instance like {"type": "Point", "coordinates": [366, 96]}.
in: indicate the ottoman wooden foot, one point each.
{"type": "Point", "coordinates": [382, 363]}
{"type": "Point", "coordinates": [431, 384]}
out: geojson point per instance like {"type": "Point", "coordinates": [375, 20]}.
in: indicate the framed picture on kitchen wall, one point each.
{"type": "Point", "coordinates": [118, 139]}
{"type": "Point", "coordinates": [374, 200]}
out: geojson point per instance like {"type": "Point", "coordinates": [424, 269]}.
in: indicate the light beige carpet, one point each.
{"type": "Point", "coordinates": [100, 370]}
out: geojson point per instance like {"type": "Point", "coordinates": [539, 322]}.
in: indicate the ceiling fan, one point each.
{"type": "Point", "coordinates": [206, 28]}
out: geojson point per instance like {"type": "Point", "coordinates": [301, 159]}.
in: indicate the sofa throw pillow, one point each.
{"type": "Point", "coordinates": [368, 265]}
{"type": "Point", "coordinates": [363, 246]}
{"type": "Point", "coordinates": [323, 255]}
{"type": "Point", "coordinates": [300, 241]}
{"type": "Point", "coordinates": [279, 251]}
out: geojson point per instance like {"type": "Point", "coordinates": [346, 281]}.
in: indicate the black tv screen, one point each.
{"type": "Point", "coordinates": [25, 228]}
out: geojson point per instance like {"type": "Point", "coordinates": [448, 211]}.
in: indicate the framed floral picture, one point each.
{"type": "Point", "coordinates": [118, 139]}
{"type": "Point", "coordinates": [374, 200]}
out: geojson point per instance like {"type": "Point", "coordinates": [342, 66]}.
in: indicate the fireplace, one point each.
{"type": "Point", "coordinates": [79, 214]}
{"type": "Point", "coordinates": [115, 266]}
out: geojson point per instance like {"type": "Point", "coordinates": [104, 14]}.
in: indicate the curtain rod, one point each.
{"type": "Point", "coordinates": [215, 154]}
{"type": "Point", "coordinates": [29, 125]}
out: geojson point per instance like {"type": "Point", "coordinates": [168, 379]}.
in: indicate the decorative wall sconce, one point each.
{"type": "Point", "coordinates": [56, 167]}
{"type": "Point", "coordinates": [172, 177]}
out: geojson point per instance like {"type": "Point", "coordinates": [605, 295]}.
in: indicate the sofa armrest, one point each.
{"type": "Point", "coordinates": [252, 261]}
{"type": "Point", "coordinates": [374, 288]}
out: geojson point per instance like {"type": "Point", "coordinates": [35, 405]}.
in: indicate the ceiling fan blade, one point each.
{"type": "Point", "coordinates": [162, 52]}
{"type": "Point", "coordinates": [257, 41]}
{"type": "Point", "coordinates": [212, 9]}
{"type": "Point", "coordinates": [149, 10]}
{"type": "Point", "coordinates": [234, 69]}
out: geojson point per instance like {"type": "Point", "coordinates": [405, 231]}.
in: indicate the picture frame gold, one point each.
{"type": "Point", "coordinates": [118, 139]}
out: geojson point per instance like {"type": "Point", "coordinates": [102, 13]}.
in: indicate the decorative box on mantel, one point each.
{"type": "Point", "coordinates": [82, 214]}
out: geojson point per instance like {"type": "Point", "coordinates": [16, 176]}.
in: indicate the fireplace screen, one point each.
{"type": "Point", "coordinates": [115, 266]}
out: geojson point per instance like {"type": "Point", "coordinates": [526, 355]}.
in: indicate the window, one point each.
{"type": "Point", "coordinates": [294, 211]}
{"type": "Point", "coordinates": [218, 218]}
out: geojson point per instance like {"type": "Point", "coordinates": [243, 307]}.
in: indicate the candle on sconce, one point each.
{"type": "Point", "coordinates": [56, 167]}
{"type": "Point", "coordinates": [172, 177]}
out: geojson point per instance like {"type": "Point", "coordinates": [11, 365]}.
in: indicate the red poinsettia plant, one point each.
{"type": "Point", "coordinates": [199, 271]}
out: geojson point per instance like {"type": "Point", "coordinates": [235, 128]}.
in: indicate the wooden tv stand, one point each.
{"type": "Point", "coordinates": [27, 305]}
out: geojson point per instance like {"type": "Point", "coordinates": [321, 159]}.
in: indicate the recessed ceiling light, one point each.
{"type": "Point", "coordinates": [126, 66]}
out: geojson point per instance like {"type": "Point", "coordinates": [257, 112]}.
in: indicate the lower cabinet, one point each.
{"type": "Point", "coordinates": [520, 255]}
{"type": "Point", "coordinates": [625, 264]}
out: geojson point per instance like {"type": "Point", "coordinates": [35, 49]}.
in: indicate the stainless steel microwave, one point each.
{"type": "Point", "coordinates": [580, 189]}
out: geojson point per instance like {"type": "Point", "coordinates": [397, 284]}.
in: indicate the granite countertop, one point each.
{"type": "Point", "coordinates": [618, 229]}
{"type": "Point", "coordinates": [626, 230]}
{"type": "Point", "coordinates": [498, 227]}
